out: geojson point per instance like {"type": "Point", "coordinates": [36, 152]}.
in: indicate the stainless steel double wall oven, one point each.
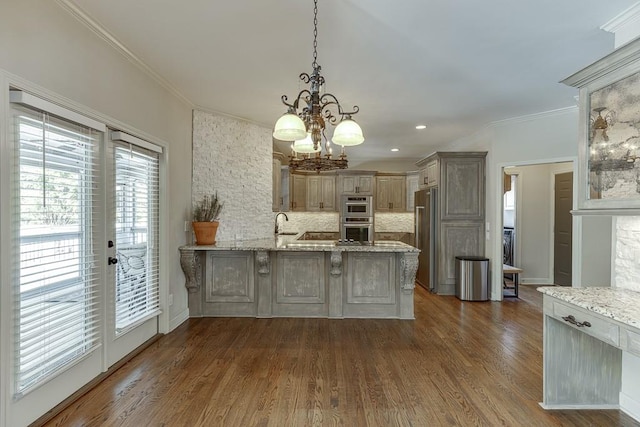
{"type": "Point", "coordinates": [356, 217]}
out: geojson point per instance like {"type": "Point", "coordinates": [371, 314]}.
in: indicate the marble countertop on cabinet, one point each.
{"type": "Point", "coordinates": [273, 244]}
{"type": "Point", "coordinates": [621, 305]}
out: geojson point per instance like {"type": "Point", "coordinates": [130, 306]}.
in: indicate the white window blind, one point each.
{"type": "Point", "coordinates": [137, 224]}
{"type": "Point", "coordinates": [56, 280]}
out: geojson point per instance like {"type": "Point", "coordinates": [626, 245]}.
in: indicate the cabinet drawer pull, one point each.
{"type": "Point", "coordinates": [573, 321]}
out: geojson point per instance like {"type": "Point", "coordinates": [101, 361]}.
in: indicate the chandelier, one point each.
{"type": "Point", "coordinates": [305, 121]}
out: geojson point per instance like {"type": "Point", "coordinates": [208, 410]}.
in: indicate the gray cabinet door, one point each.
{"type": "Point", "coordinates": [462, 188]}
{"type": "Point", "coordinates": [298, 192]}
{"type": "Point", "coordinates": [301, 280]}
{"type": "Point", "coordinates": [457, 239]}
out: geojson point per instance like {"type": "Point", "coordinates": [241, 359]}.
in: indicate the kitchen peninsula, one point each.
{"type": "Point", "coordinates": [284, 277]}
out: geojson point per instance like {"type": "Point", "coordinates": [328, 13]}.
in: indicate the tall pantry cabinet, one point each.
{"type": "Point", "coordinates": [459, 223]}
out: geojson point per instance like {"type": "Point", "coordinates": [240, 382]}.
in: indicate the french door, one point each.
{"type": "Point", "coordinates": [133, 219]}
{"type": "Point", "coordinates": [84, 234]}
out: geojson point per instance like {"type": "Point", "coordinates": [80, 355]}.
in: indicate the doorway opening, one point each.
{"type": "Point", "coordinates": [537, 225]}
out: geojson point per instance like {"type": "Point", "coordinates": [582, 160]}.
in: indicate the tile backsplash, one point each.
{"type": "Point", "coordinates": [329, 221]}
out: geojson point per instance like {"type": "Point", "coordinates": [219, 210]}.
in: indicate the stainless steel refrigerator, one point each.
{"type": "Point", "coordinates": [426, 212]}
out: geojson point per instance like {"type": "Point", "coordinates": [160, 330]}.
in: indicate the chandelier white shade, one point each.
{"type": "Point", "coordinates": [347, 133]}
{"type": "Point", "coordinates": [289, 127]}
{"type": "Point", "coordinates": [306, 145]}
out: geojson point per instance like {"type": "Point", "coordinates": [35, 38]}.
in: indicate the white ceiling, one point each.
{"type": "Point", "coordinates": [453, 65]}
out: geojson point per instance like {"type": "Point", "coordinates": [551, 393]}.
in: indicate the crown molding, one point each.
{"type": "Point", "coordinates": [207, 110]}
{"type": "Point", "coordinates": [75, 11]}
{"type": "Point", "coordinates": [534, 116]}
{"type": "Point", "coordinates": [625, 17]}
{"type": "Point", "coordinates": [627, 54]}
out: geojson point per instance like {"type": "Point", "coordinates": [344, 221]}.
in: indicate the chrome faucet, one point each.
{"type": "Point", "coordinates": [285, 217]}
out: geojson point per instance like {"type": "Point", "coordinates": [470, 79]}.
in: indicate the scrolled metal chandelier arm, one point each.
{"type": "Point", "coordinates": [327, 100]}
{"type": "Point", "coordinates": [294, 106]}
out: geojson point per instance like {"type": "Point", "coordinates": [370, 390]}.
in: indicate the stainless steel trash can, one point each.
{"type": "Point", "coordinates": [472, 278]}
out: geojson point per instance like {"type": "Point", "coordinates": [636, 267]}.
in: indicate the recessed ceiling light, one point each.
{"type": "Point", "coordinates": [395, 149]}
{"type": "Point", "coordinates": [421, 127]}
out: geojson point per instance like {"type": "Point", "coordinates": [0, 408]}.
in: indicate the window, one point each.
{"type": "Point", "coordinates": [136, 203]}
{"type": "Point", "coordinates": [56, 277]}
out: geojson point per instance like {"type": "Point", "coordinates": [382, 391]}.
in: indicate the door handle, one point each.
{"type": "Point", "coordinates": [112, 260]}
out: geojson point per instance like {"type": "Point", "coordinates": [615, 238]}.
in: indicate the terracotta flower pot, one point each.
{"type": "Point", "coordinates": [205, 232]}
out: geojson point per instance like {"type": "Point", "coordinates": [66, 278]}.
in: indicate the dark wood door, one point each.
{"type": "Point", "coordinates": [562, 229]}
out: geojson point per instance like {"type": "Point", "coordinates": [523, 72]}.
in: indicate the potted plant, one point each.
{"type": "Point", "coordinates": [205, 219]}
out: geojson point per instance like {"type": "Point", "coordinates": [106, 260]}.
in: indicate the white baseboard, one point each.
{"type": "Point", "coordinates": [630, 406]}
{"type": "Point", "coordinates": [599, 407]}
{"type": "Point", "coordinates": [179, 319]}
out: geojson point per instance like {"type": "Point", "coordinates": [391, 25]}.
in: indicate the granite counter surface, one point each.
{"type": "Point", "coordinates": [621, 305]}
{"type": "Point", "coordinates": [288, 244]}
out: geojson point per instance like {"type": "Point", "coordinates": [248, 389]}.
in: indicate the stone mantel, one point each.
{"type": "Point", "coordinates": [283, 278]}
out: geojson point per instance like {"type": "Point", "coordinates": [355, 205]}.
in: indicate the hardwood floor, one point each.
{"type": "Point", "coordinates": [458, 363]}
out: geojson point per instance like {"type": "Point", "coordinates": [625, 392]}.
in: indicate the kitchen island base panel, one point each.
{"type": "Point", "coordinates": [324, 283]}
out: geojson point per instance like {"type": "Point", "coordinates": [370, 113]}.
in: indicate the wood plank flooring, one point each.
{"type": "Point", "coordinates": [458, 364]}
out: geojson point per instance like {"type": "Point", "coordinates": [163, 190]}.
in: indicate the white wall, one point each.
{"type": "Point", "coordinates": [534, 234]}
{"type": "Point", "coordinates": [234, 158]}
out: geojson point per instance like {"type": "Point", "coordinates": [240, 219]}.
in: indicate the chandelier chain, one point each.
{"type": "Point", "coordinates": [315, 34]}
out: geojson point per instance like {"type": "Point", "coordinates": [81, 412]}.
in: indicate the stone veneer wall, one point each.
{"type": "Point", "coordinates": [627, 253]}
{"type": "Point", "coordinates": [329, 221]}
{"type": "Point", "coordinates": [234, 158]}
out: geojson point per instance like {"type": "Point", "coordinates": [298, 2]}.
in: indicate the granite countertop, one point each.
{"type": "Point", "coordinates": [288, 243]}
{"type": "Point", "coordinates": [621, 305]}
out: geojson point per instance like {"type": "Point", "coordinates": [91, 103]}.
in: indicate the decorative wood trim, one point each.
{"type": "Point", "coordinates": [191, 265]}
{"type": "Point", "coordinates": [625, 17]}
{"type": "Point", "coordinates": [625, 55]}
{"type": "Point", "coordinates": [262, 260]}
{"type": "Point", "coordinates": [279, 156]}
{"type": "Point", "coordinates": [355, 172]}
{"type": "Point", "coordinates": [336, 263]}
{"type": "Point", "coordinates": [391, 173]}
{"type": "Point", "coordinates": [607, 212]}
{"type": "Point", "coordinates": [408, 270]}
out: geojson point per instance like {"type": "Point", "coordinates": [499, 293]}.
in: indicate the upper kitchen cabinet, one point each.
{"type": "Point", "coordinates": [297, 191]}
{"type": "Point", "coordinates": [428, 175]}
{"type": "Point", "coordinates": [321, 193]}
{"type": "Point", "coordinates": [609, 123]}
{"type": "Point", "coordinates": [413, 185]}
{"type": "Point", "coordinates": [278, 159]}
{"type": "Point", "coordinates": [356, 182]}
{"type": "Point", "coordinates": [462, 185]}
{"type": "Point", "coordinates": [391, 192]}
{"type": "Point", "coordinates": [431, 175]}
